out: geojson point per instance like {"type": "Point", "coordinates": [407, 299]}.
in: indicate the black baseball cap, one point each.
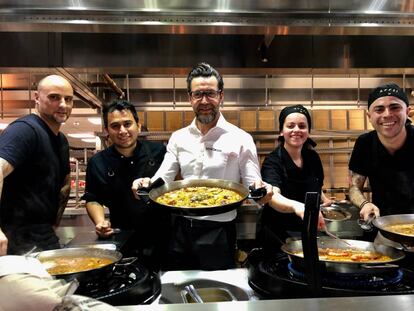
{"type": "Point", "coordinates": [390, 89]}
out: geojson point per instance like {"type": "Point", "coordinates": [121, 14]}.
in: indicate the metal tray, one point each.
{"type": "Point", "coordinates": [211, 294]}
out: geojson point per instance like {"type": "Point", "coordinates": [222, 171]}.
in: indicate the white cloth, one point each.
{"type": "Point", "coordinates": [224, 152]}
{"type": "Point", "coordinates": [82, 303]}
{"type": "Point", "coordinates": [12, 264]}
{"type": "Point", "coordinates": [26, 285]}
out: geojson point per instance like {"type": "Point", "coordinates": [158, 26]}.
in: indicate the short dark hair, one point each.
{"type": "Point", "coordinates": [204, 70]}
{"type": "Point", "coordinates": [119, 105]}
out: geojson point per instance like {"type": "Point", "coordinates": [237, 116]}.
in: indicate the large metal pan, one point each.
{"type": "Point", "coordinates": [384, 221]}
{"type": "Point", "coordinates": [291, 248]}
{"type": "Point", "coordinates": [210, 210]}
{"type": "Point", "coordinates": [88, 275]}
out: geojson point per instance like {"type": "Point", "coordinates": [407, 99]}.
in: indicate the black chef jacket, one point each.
{"type": "Point", "coordinates": [109, 178]}
{"type": "Point", "coordinates": [391, 177]}
{"type": "Point", "coordinates": [278, 169]}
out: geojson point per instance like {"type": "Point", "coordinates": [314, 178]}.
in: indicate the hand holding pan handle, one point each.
{"type": "Point", "coordinates": [256, 193]}
{"type": "Point", "coordinates": [367, 225]}
{"type": "Point", "coordinates": [143, 192]}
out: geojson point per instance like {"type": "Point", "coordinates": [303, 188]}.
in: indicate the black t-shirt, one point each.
{"type": "Point", "coordinates": [40, 159]}
{"type": "Point", "coordinates": [109, 178]}
{"type": "Point", "coordinates": [391, 177]}
{"type": "Point", "coordinates": [279, 170]}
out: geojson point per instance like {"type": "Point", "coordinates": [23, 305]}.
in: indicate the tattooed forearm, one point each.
{"type": "Point", "coordinates": [356, 189]}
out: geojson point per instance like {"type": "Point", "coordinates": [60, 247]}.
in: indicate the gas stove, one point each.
{"type": "Point", "coordinates": [130, 283]}
{"type": "Point", "coordinates": [273, 276]}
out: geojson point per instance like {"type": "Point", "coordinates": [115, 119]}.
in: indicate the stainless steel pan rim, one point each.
{"type": "Point", "coordinates": [292, 247]}
{"type": "Point", "coordinates": [210, 210]}
{"type": "Point", "coordinates": [384, 221]}
{"type": "Point", "coordinates": [113, 255]}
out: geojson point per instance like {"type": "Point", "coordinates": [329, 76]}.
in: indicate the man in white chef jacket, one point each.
{"type": "Point", "coordinates": [210, 147]}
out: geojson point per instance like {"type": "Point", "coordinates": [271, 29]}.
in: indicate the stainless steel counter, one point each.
{"type": "Point", "coordinates": [234, 281]}
{"type": "Point", "coordinates": [238, 277]}
{"type": "Point", "coordinates": [372, 303]}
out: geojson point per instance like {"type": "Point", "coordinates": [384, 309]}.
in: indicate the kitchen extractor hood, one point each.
{"type": "Point", "coordinates": [317, 17]}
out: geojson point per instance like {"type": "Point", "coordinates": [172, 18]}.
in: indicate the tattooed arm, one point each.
{"type": "Point", "coordinates": [358, 199]}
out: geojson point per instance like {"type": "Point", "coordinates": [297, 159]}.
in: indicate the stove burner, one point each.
{"type": "Point", "coordinates": [354, 280]}
{"type": "Point", "coordinates": [130, 283]}
{"type": "Point", "coordinates": [270, 277]}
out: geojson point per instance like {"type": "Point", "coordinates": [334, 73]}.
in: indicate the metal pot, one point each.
{"type": "Point", "coordinates": [210, 210]}
{"type": "Point", "coordinates": [335, 212]}
{"type": "Point", "coordinates": [292, 247]}
{"type": "Point", "coordinates": [88, 275]}
{"type": "Point", "coordinates": [383, 222]}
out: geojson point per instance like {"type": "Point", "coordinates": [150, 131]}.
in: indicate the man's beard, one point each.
{"type": "Point", "coordinates": [207, 118]}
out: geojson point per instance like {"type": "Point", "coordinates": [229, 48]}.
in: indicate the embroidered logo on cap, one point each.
{"type": "Point", "coordinates": [389, 91]}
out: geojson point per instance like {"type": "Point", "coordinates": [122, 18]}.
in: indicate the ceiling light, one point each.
{"type": "Point", "coordinates": [79, 21]}
{"type": "Point", "coordinates": [222, 10]}
{"type": "Point", "coordinates": [81, 135]}
{"type": "Point", "coordinates": [95, 120]}
{"type": "Point", "coordinates": [151, 10]}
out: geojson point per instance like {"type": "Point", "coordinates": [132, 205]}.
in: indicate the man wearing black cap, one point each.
{"type": "Point", "coordinates": [384, 156]}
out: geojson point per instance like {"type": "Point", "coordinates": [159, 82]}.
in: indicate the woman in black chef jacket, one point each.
{"type": "Point", "coordinates": [293, 168]}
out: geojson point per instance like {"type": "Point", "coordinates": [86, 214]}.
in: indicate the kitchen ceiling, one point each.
{"type": "Point", "coordinates": [302, 51]}
{"type": "Point", "coordinates": [285, 17]}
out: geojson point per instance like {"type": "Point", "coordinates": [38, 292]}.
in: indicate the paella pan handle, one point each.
{"type": "Point", "coordinates": [126, 261]}
{"type": "Point", "coordinates": [367, 225]}
{"type": "Point", "coordinates": [256, 193]}
{"type": "Point", "coordinates": [144, 191]}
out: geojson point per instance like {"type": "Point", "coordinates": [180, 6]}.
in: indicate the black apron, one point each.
{"type": "Point", "coordinates": [202, 245]}
{"type": "Point", "coordinates": [149, 224]}
{"type": "Point", "coordinates": [120, 178]}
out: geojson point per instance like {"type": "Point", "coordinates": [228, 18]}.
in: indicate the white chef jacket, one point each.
{"type": "Point", "coordinates": [224, 152]}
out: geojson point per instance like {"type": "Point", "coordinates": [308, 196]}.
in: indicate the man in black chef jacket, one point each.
{"type": "Point", "coordinates": [384, 156]}
{"type": "Point", "coordinates": [35, 171]}
{"type": "Point", "coordinates": [109, 176]}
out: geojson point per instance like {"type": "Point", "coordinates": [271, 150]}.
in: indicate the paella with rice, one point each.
{"type": "Point", "coordinates": [199, 196]}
